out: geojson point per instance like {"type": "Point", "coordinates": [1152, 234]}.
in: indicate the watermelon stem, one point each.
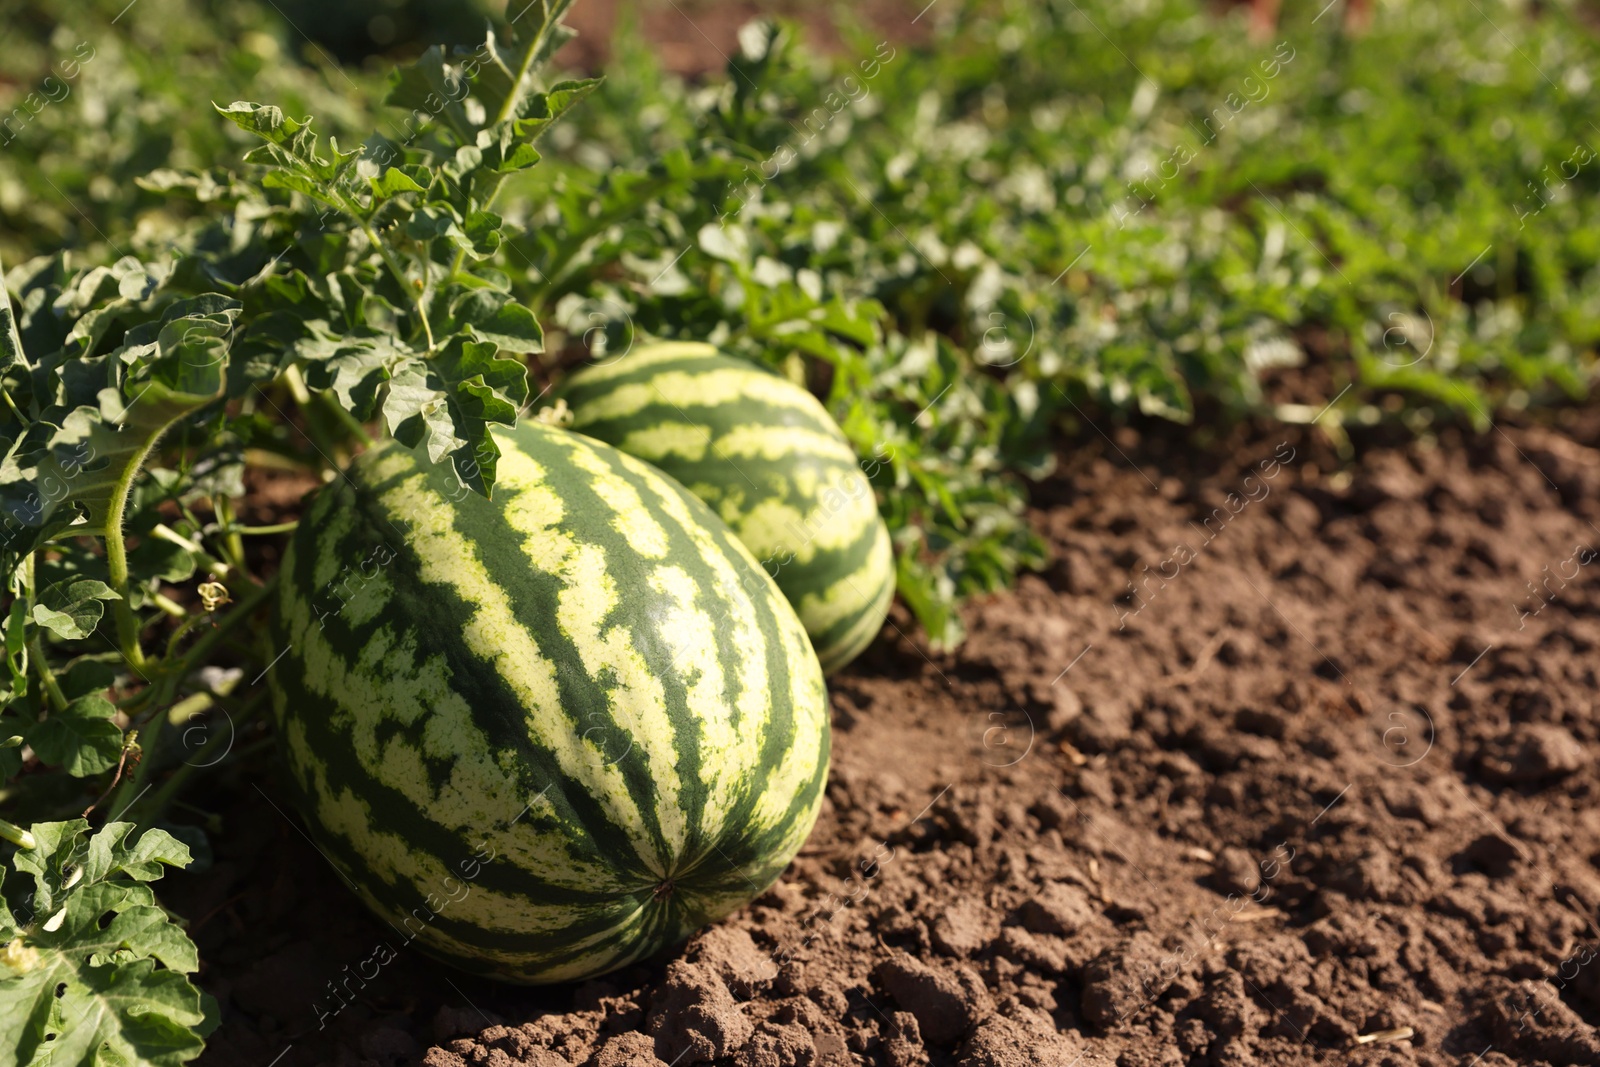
{"type": "Point", "coordinates": [205, 758]}
{"type": "Point", "coordinates": [16, 835]}
{"type": "Point", "coordinates": [117, 556]}
{"type": "Point", "coordinates": [52, 688]}
{"type": "Point", "coordinates": [165, 690]}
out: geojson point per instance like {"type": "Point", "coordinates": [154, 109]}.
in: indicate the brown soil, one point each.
{"type": "Point", "coordinates": [1323, 793]}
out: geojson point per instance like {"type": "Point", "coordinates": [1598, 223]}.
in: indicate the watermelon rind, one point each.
{"type": "Point", "coordinates": [766, 456]}
{"type": "Point", "coordinates": [545, 735]}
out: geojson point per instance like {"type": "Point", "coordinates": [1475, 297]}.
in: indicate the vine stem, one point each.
{"type": "Point", "coordinates": [52, 688]}
{"type": "Point", "coordinates": [353, 209]}
{"type": "Point", "coordinates": [173, 676]}
{"type": "Point", "coordinates": [16, 835]}
{"type": "Point", "coordinates": [182, 631]}
{"type": "Point", "coordinates": [315, 408]}
{"type": "Point", "coordinates": [232, 543]}
{"type": "Point", "coordinates": [513, 98]}
{"type": "Point", "coordinates": [349, 421]}
{"type": "Point", "coordinates": [399, 275]}
{"type": "Point", "coordinates": [12, 404]}
{"type": "Point", "coordinates": [168, 605]}
{"type": "Point", "coordinates": [461, 253]}
{"type": "Point", "coordinates": [314, 429]}
{"type": "Point", "coordinates": [214, 567]}
{"type": "Point", "coordinates": [117, 558]}
{"type": "Point", "coordinates": [277, 528]}
{"type": "Point", "coordinates": [47, 677]}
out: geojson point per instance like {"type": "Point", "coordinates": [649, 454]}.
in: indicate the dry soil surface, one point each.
{"type": "Point", "coordinates": [1319, 789]}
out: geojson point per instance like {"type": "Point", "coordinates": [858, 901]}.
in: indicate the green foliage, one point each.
{"type": "Point", "coordinates": [959, 245]}
{"type": "Point", "coordinates": [374, 273]}
{"type": "Point", "coordinates": [1059, 230]}
{"type": "Point", "coordinates": [134, 388]}
{"type": "Point", "coordinates": [71, 612]}
{"type": "Point", "coordinates": [100, 390]}
{"type": "Point", "coordinates": [81, 737]}
{"type": "Point", "coordinates": [92, 971]}
{"type": "Point", "coordinates": [105, 104]}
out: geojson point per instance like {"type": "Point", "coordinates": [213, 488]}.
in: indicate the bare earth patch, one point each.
{"type": "Point", "coordinates": [1322, 790]}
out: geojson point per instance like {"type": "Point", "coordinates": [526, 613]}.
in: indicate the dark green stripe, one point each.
{"type": "Point", "coordinates": [438, 622]}
{"type": "Point", "coordinates": [718, 418]}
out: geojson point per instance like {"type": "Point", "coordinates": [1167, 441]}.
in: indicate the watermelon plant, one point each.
{"type": "Point", "coordinates": [771, 463]}
{"type": "Point", "coordinates": [93, 970]}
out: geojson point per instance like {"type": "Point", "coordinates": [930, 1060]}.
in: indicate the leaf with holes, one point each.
{"type": "Point", "coordinates": [93, 971]}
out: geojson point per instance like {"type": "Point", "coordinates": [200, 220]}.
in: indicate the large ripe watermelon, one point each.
{"type": "Point", "coordinates": [770, 461]}
{"type": "Point", "coordinates": [546, 735]}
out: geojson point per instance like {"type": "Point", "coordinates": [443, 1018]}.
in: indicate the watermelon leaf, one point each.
{"type": "Point", "coordinates": [65, 468]}
{"type": "Point", "coordinates": [493, 316]}
{"type": "Point", "coordinates": [92, 970]}
{"type": "Point", "coordinates": [71, 612]}
{"type": "Point", "coordinates": [418, 413]}
{"type": "Point", "coordinates": [81, 737]}
{"type": "Point", "coordinates": [394, 182]}
{"type": "Point", "coordinates": [290, 144]}
{"type": "Point", "coordinates": [11, 354]}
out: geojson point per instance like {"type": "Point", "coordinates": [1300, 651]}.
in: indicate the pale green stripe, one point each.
{"type": "Point", "coordinates": [637, 701]}
{"type": "Point", "coordinates": [765, 441]}
{"type": "Point", "coordinates": [508, 649]}
{"type": "Point", "coordinates": [669, 440]}
{"type": "Point", "coordinates": [685, 389]}
{"type": "Point", "coordinates": [853, 592]}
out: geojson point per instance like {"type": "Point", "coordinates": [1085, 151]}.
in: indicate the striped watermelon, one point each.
{"type": "Point", "coordinates": [770, 461]}
{"type": "Point", "coordinates": [547, 735]}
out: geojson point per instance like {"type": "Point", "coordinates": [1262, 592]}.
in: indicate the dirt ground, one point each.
{"type": "Point", "coordinates": [1320, 790]}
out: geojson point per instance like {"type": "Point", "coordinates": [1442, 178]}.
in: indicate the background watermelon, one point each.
{"type": "Point", "coordinates": [512, 724]}
{"type": "Point", "coordinates": [767, 458]}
